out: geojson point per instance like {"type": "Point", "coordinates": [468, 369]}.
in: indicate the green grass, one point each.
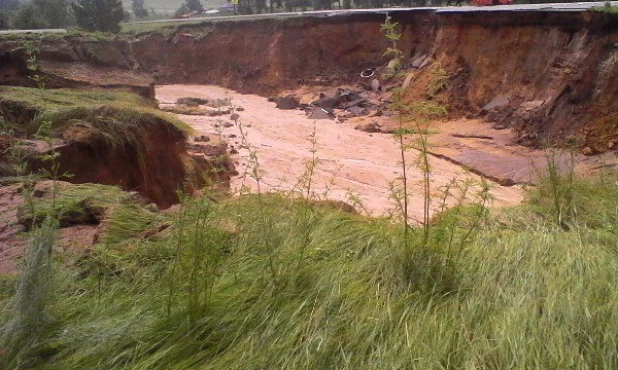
{"type": "Point", "coordinates": [60, 106]}
{"type": "Point", "coordinates": [265, 282]}
{"type": "Point", "coordinates": [165, 28]}
{"type": "Point", "coordinates": [608, 8]}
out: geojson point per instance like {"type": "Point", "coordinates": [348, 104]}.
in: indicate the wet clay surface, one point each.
{"type": "Point", "coordinates": [351, 163]}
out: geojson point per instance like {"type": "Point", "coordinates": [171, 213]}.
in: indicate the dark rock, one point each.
{"type": "Point", "coordinates": [353, 103]}
{"type": "Point", "coordinates": [320, 113]}
{"type": "Point", "coordinates": [369, 127]}
{"type": "Point", "coordinates": [328, 102]}
{"type": "Point", "coordinates": [202, 138]}
{"type": "Point", "coordinates": [287, 103]}
{"type": "Point", "coordinates": [357, 111]}
{"type": "Point", "coordinates": [217, 113]}
{"type": "Point", "coordinates": [588, 151]}
{"type": "Point", "coordinates": [191, 102]}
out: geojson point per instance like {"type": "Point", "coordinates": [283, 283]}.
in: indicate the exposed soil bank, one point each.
{"type": "Point", "coordinates": [555, 74]}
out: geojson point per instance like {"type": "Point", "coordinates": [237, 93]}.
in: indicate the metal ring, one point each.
{"type": "Point", "coordinates": [368, 73]}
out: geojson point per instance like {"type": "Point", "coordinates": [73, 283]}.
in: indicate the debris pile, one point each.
{"type": "Point", "coordinates": [342, 104]}
{"type": "Point", "coordinates": [192, 106]}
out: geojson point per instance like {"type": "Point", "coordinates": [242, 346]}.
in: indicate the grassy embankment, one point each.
{"type": "Point", "coordinates": [268, 283]}
{"type": "Point", "coordinates": [25, 109]}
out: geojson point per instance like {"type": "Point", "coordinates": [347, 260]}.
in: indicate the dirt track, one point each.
{"type": "Point", "coordinates": [351, 162]}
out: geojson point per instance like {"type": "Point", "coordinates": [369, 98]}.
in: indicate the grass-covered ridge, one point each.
{"type": "Point", "coordinates": [265, 282]}
{"type": "Point", "coordinates": [25, 109]}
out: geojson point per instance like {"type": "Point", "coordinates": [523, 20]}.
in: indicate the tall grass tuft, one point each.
{"type": "Point", "coordinates": [23, 336]}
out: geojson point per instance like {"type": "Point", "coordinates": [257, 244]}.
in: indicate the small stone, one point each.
{"type": "Point", "coordinates": [234, 117]}
{"type": "Point", "coordinates": [370, 127]}
{"type": "Point", "coordinates": [587, 151]}
{"type": "Point", "coordinates": [287, 102]}
{"type": "Point", "coordinates": [152, 207]}
{"type": "Point", "coordinates": [240, 109]}
{"type": "Point", "coordinates": [375, 85]}
{"type": "Point", "coordinates": [407, 81]}
{"type": "Point", "coordinates": [228, 124]}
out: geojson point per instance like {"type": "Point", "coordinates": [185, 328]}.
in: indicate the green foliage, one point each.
{"type": "Point", "coordinates": [203, 296]}
{"type": "Point", "coordinates": [4, 21]}
{"type": "Point", "coordinates": [606, 8]}
{"type": "Point", "coordinates": [189, 6]}
{"type": "Point", "coordinates": [32, 63]}
{"type": "Point", "coordinates": [44, 14]}
{"type": "Point", "coordinates": [139, 9]}
{"type": "Point", "coordinates": [184, 9]}
{"type": "Point", "coordinates": [569, 201]}
{"type": "Point", "coordinates": [30, 314]}
{"type": "Point", "coordinates": [99, 15]}
{"type": "Point", "coordinates": [194, 6]}
{"type": "Point", "coordinates": [59, 106]}
{"type": "Point", "coordinates": [392, 35]}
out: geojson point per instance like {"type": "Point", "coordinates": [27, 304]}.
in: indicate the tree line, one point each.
{"type": "Point", "coordinates": [89, 15]}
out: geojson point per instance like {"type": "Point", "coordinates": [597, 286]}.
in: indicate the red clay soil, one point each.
{"type": "Point", "coordinates": [11, 243]}
{"type": "Point", "coordinates": [71, 239]}
{"type": "Point", "coordinates": [555, 72]}
{"type": "Point", "coordinates": [155, 162]}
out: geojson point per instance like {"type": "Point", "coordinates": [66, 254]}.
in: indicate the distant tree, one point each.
{"type": "Point", "coordinates": [99, 15]}
{"type": "Point", "coordinates": [54, 13]}
{"type": "Point", "coordinates": [28, 18]}
{"type": "Point", "coordinates": [194, 6]}
{"type": "Point", "coordinates": [139, 9]}
{"type": "Point", "coordinates": [4, 21]}
{"type": "Point", "coordinates": [44, 14]}
{"type": "Point", "coordinates": [184, 9]}
{"type": "Point", "coordinates": [9, 5]}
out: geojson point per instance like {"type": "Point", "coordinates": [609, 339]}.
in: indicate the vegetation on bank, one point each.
{"type": "Point", "coordinates": [271, 281]}
{"type": "Point", "coordinates": [25, 109]}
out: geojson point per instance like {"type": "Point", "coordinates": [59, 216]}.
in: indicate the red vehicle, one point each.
{"type": "Point", "coordinates": [491, 2]}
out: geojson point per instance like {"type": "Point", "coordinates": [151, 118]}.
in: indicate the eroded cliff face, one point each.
{"type": "Point", "coordinates": [268, 55]}
{"type": "Point", "coordinates": [551, 76]}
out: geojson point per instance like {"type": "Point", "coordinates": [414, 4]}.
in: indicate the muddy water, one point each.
{"type": "Point", "coordinates": [350, 164]}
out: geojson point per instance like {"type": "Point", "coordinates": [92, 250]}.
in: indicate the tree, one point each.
{"type": "Point", "coordinates": [44, 14]}
{"type": "Point", "coordinates": [194, 6]}
{"type": "Point", "coordinates": [139, 9]}
{"type": "Point", "coordinates": [54, 13]}
{"type": "Point", "coordinates": [28, 18]}
{"type": "Point", "coordinates": [99, 15]}
{"type": "Point", "coordinates": [4, 21]}
{"type": "Point", "coordinates": [181, 11]}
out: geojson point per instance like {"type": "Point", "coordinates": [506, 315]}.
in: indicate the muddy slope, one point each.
{"type": "Point", "coordinates": [552, 76]}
